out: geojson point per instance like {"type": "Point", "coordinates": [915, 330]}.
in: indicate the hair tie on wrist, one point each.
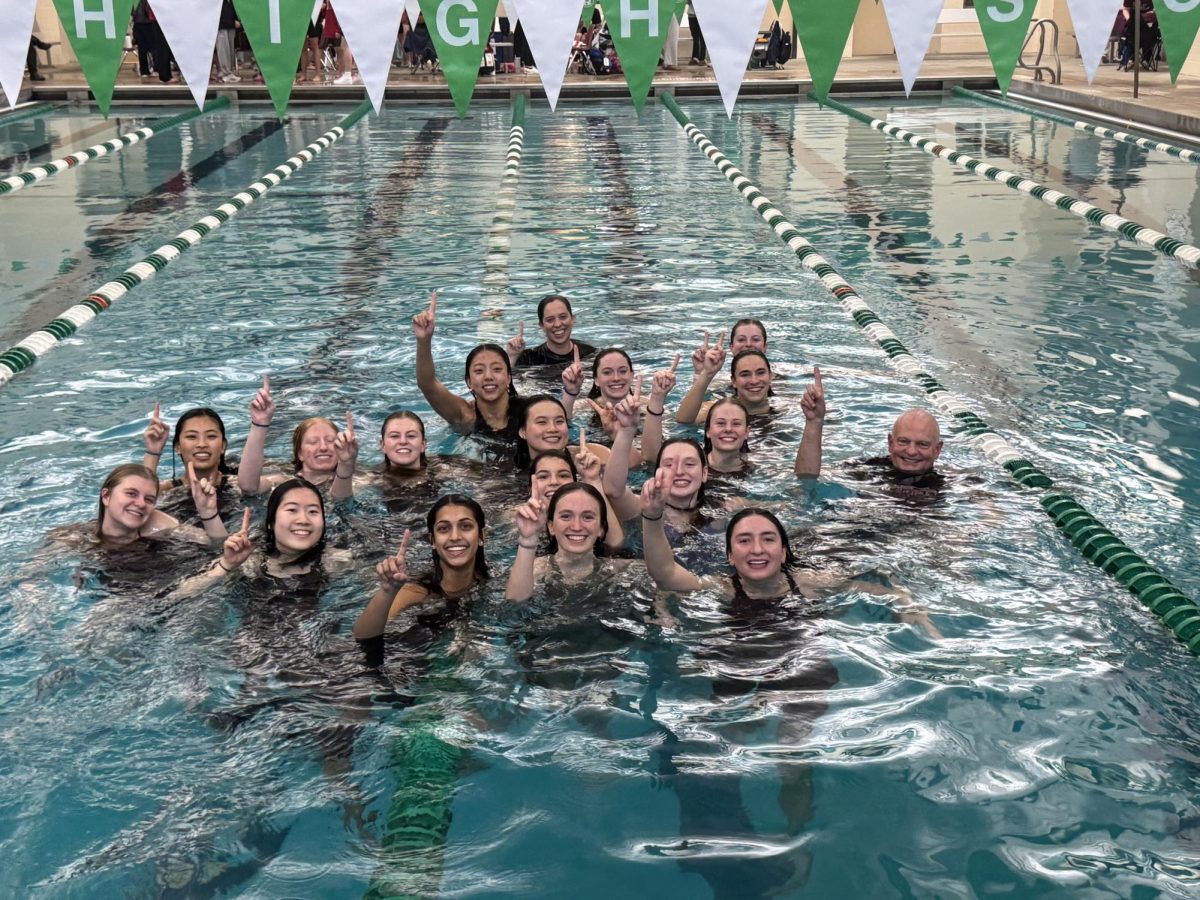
{"type": "Point", "coordinates": [651, 412]}
{"type": "Point", "coordinates": [569, 394]}
{"type": "Point", "coordinates": [260, 425]}
{"type": "Point", "coordinates": [652, 518]}
{"type": "Point", "coordinates": [221, 563]}
{"type": "Point", "coordinates": [210, 518]}
{"type": "Point", "coordinates": [532, 546]}
{"type": "Point", "coordinates": [152, 453]}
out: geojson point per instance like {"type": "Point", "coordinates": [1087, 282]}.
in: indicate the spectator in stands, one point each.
{"type": "Point", "coordinates": [699, 48]}
{"type": "Point", "coordinates": [226, 53]}
{"type": "Point", "coordinates": [35, 44]}
{"type": "Point", "coordinates": [310, 53]}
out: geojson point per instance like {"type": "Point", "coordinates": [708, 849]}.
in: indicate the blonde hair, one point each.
{"type": "Point", "coordinates": [115, 477]}
{"type": "Point", "coordinates": [301, 431]}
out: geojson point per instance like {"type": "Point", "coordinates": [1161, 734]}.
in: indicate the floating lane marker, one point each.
{"type": "Point", "coordinates": [1164, 244]}
{"type": "Point", "coordinates": [499, 243]}
{"type": "Point", "coordinates": [1099, 130]}
{"type": "Point", "coordinates": [23, 355]}
{"type": "Point", "coordinates": [79, 157]}
{"type": "Point", "coordinates": [1097, 544]}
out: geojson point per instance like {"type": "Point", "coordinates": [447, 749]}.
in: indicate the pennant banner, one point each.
{"type": "Point", "coordinates": [1093, 21]}
{"type": "Point", "coordinates": [639, 30]}
{"type": "Point", "coordinates": [413, 8]}
{"type": "Point", "coordinates": [779, 10]}
{"type": "Point", "coordinates": [510, 8]}
{"type": "Point", "coordinates": [729, 31]}
{"type": "Point", "coordinates": [276, 30]}
{"type": "Point", "coordinates": [370, 28]}
{"type": "Point", "coordinates": [912, 23]}
{"type": "Point", "coordinates": [550, 29]}
{"type": "Point", "coordinates": [460, 30]}
{"type": "Point", "coordinates": [190, 27]}
{"type": "Point", "coordinates": [1179, 21]}
{"type": "Point", "coordinates": [98, 38]}
{"type": "Point", "coordinates": [823, 28]}
{"type": "Point", "coordinates": [17, 16]}
{"type": "Point", "coordinates": [1004, 24]}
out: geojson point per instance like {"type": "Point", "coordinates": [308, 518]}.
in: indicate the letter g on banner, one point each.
{"type": "Point", "coordinates": [471, 20]}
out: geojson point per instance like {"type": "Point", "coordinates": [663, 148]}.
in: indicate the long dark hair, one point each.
{"type": "Point", "coordinates": [434, 581]}
{"type": "Point", "coordinates": [564, 455]}
{"type": "Point", "coordinates": [789, 559]}
{"type": "Point", "coordinates": [742, 354]}
{"type": "Point", "coordinates": [198, 413]}
{"type": "Point", "coordinates": [499, 351]}
{"type": "Point", "coordinates": [550, 298]}
{"type": "Point", "coordinates": [521, 456]}
{"type": "Point", "coordinates": [595, 391]}
{"type": "Point", "coordinates": [575, 488]}
{"type": "Point", "coordinates": [312, 554]}
{"type": "Point", "coordinates": [742, 322]}
{"type": "Point", "coordinates": [115, 477]}
{"type": "Point", "coordinates": [724, 401]}
{"type": "Point", "coordinates": [691, 442]}
{"type": "Point", "coordinates": [410, 416]}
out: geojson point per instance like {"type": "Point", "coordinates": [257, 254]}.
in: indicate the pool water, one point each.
{"type": "Point", "coordinates": [231, 746]}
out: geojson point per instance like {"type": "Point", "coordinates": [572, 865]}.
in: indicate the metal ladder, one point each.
{"type": "Point", "coordinates": [1040, 27]}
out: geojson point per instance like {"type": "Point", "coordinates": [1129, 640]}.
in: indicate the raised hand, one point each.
{"type": "Point", "coordinates": [626, 412]}
{"type": "Point", "coordinates": [204, 495]}
{"type": "Point", "coordinates": [393, 571]}
{"type": "Point", "coordinates": [262, 407]}
{"type": "Point", "coordinates": [664, 381]}
{"type": "Point", "coordinates": [156, 434]}
{"type": "Point", "coordinates": [237, 546]}
{"type": "Point", "coordinates": [531, 521]}
{"type": "Point", "coordinates": [714, 358]}
{"type": "Point", "coordinates": [699, 354]}
{"type": "Point", "coordinates": [587, 464]}
{"type": "Point", "coordinates": [654, 493]}
{"type": "Point", "coordinates": [516, 344]}
{"type": "Point", "coordinates": [345, 445]}
{"type": "Point", "coordinates": [813, 401]}
{"type": "Point", "coordinates": [572, 376]}
{"type": "Point", "coordinates": [423, 322]}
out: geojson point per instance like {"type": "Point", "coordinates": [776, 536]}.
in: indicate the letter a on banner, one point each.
{"type": "Point", "coordinates": [639, 30]}
{"type": "Point", "coordinates": [729, 31]}
{"type": "Point", "coordinates": [276, 30]}
{"type": "Point", "coordinates": [1179, 21]}
{"type": "Point", "coordinates": [549, 27]}
{"type": "Point", "coordinates": [1005, 24]}
{"type": "Point", "coordinates": [14, 44]}
{"type": "Point", "coordinates": [460, 30]}
{"type": "Point", "coordinates": [96, 30]}
{"type": "Point", "coordinates": [824, 27]}
{"type": "Point", "coordinates": [1093, 21]}
{"type": "Point", "coordinates": [190, 27]}
{"type": "Point", "coordinates": [912, 23]}
{"type": "Point", "coordinates": [371, 28]}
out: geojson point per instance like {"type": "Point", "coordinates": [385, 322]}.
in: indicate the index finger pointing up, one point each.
{"type": "Point", "coordinates": [675, 364]}
{"type": "Point", "coordinates": [575, 348]}
{"type": "Point", "coordinates": [582, 439]}
{"type": "Point", "coordinates": [266, 382]}
{"type": "Point", "coordinates": [349, 423]}
{"type": "Point", "coordinates": [706, 340]}
{"type": "Point", "coordinates": [637, 394]}
{"type": "Point", "coordinates": [817, 378]}
{"type": "Point", "coordinates": [245, 520]}
{"type": "Point", "coordinates": [433, 304]}
{"type": "Point", "coordinates": [521, 330]}
{"type": "Point", "coordinates": [154, 416]}
{"type": "Point", "coordinates": [403, 551]}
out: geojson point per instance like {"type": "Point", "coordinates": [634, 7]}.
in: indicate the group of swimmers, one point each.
{"type": "Point", "coordinates": [573, 525]}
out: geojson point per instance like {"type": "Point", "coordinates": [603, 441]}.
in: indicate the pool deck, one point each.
{"type": "Point", "coordinates": [1159, 104]}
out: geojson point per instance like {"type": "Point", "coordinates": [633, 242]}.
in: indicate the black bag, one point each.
{"type": "Point", "coordinates": [785, 48]}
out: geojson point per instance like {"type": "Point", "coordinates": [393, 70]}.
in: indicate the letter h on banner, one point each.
{"type": "Point", "coordinates": [103, 14]}
{"type": "Point", "coordinates": [649, 16]}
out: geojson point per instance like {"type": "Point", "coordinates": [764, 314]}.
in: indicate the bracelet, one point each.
{"type": "Point", "coordinates": [532, 546]}
{"type": "Point", "coordinates": [152, 453]}
{"type": "Point", "coordinates": [210, 518]}
{"type": "Point", "coordinates": [651, 412]}
{"type": "Point", "coordinates": [337, 474]}
{"type": "Point", "coordinates": [221, 563]}
{"type": "Point", "coordinates": [652, 518]}
{"type": "Point", "coordinates": [258, 425]}
{"type": "Point", "coordinates": [569, 394]}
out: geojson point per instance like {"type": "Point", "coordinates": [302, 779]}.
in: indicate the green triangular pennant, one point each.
{"type": "Point", "coordinates": [824, 27]}
{"type": "Point", "coordinates": [1005, 24]}
{"type": "Point", "coordinates": [460, 30]}
{"type": "Point", "coordinates": [98, 39]}
{"type": "Point", "coordinates": [681, 11]}
{"type": "Point", "coordinates": [1179, 20]}
{"type": "Point", "coordinates": [639, 30]}
{"type": "Point", "coordinates": [276, 30]}
{"type": "Point", "coordinates": [585, 15]}
{"type": "Point", "coordinates": [778, 6]}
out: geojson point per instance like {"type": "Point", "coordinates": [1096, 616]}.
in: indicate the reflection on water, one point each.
{"type": "Point", "coordinates": [241, 743]}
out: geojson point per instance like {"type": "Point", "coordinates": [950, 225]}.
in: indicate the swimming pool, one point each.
{"type": "Point", "coordinates": [1045, 745]}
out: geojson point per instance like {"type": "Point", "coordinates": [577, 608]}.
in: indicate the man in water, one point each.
{"type": "Point", "coordinates": [914, 445]}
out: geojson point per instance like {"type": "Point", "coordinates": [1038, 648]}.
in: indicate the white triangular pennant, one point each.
{"type": "Point", "coordinates": [17, 16]}
{"type": "Point", "coordinates": [729, 32]}
{"type": "Point", "coordinates": [413, 8]}
{"type": "Point", "coordinates": [370, 28]}
{"type": "Point", "coordinates": [550, 29]}
{"type": "Point", "coordinates": [190, 27]}
{"type": "Point", "coordinates": [317, 4]}
{"type": "Point", "coordinates": [912, 23]}
{"type": "Point", "coordinates": [1093, 21]}
{"type": "Point", "coordinates": [510, 9]}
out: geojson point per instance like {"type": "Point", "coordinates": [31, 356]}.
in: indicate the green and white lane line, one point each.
{"type": "Point", "coordinates": [1124, 137]}
{"type": "Point", "coordinates": [499, 242]}
{"type": "Point", "coordinates": [1094, 541]}
{"type": "Point", "coordinates": [79, 157]}
{"type": "Point", "coordinates": [1187, 254]}
{"type": "Point", "coordinates": [25, 112]}
{"type": "Point", "coordinates": [23, 355]}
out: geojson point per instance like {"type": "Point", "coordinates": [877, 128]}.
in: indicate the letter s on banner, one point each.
{"type": "Point", "coordinates": [649, 15]}
{"type": "Point", "coordinates": [1181, 6]}
{"type": "Point", "coordinates": [463, 39]}
{"type": "Point", "coordinates": [1016, 8]}
{"type": "Point", "coordinates": [103, 14]}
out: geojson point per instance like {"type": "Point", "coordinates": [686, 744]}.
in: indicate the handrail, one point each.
{"type": "Point", "coordinates": [1040, 26]}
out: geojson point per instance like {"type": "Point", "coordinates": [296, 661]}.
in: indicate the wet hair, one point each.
{"type": "Point", "coordinates": [724, 401]}
{"type": "Point", "coordinates": [312, 554]}
{"type": "Point", "coordinates": [789, 559]}
{"type": "Point", "coordinates": [410, 416]}
{"type": "Point", "coordinates": [595, 391]}
{"type": "Point", "coordinates": [547, 300]}
{"type": "Point", "coordinates": [201, 412]}
{"type": "Point", "coordinates": [115, 477]}
{"type": "Point", "coordinates": [434, 581]}
{"type": "Point", "coordinates": [743, 354]}
{"type": "Point", "coordinates": [300, 432]}
{"type": "Point", "coordinates": [575, 488]}
{"type": "Point", "coordinates": [521, 457]}
{"type": "Point", "coordinates": [740, 323]}
{"type": "Point", "coordinates": [499, 351]}
{"type": "Point", "coordinates": [564, 455]}
{"type": "Point", "coordinates": [691, 442]}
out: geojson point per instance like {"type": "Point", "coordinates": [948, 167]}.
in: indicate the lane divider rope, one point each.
{"type": "Point", "coordinates": [1086, 533]}
{"type": "Point", "coordinates": [1099, 130]}
{"type": "Point", "coordinates": [79, 157]}
{"type": "Point", "coordinates": [23, 355]}
{"type": "Point", "coordinates": [29, 112]}
{"type": "Point", "coordinates": [499, 242]}
{"type": "Point", "coordinates": [1168, 246]}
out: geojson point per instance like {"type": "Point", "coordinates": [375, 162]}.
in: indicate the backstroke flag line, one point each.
{"type": "Point", "coordinates": [729, 31]}
{"type": "Point", "coordinates": [639, 31]}
{"type": "Point", "coordinates": [370, 28]}
{"type": "Point", "coordinates": [1004, 24]}
{"type": "Point", "coordinates": [912, 23]}
{"type": "Point", "coordinates": [276, 30]}
{"type": "Point", "coordinates": [823, 28]}
{"type": "Point", "coordinates": [14, 42]}
{"type": "Point", "coordinates": [550, 29]}
{"type": "Point", "coordinates": [190, 27]}
{"type": "Point", "coordinates": [1179, 21]}
{"type": "Point", "coordinates": [460, 30]}
{"type": "Point", "coordinates": [97, 35]}
{"type": "Point", "coordinates": [1093, 21]}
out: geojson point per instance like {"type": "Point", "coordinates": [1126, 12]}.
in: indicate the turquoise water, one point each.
{"type": "Point", "coordinates": [1045, 746]}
